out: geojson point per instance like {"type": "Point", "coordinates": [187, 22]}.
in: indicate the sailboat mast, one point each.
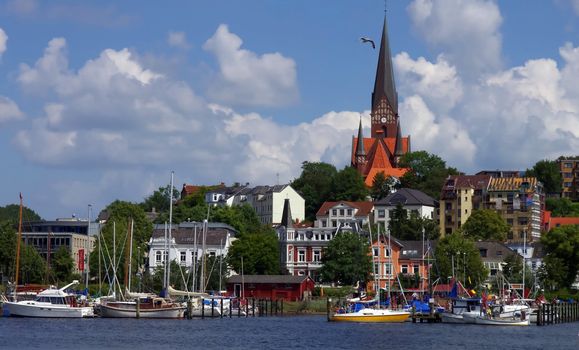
{"type": "Point", "coordinates": [131, 253]}
{"type": "Point", "coordinates": [114, 259]}
{"type": "Point", "coordinates": [86, 253]}
{"type": "Point", "coordinates": [18, 247]}
{"type": "Point", "coordinates": [203, 238]}
{"type": "Point", "coordinates": [194, 258]}
{"type": "Point", "coordinates": [165, 258]}
{"type": "Point", "coordinates": [376, 287]}
{"type": "Point", "coordinates": [220, 264]}
{"type": "Point", "coordinates": [170, 228]}
{"type": "Point", "coordinates": [390, 263]}
{"type": "Point", "coordinates": [127, 258]}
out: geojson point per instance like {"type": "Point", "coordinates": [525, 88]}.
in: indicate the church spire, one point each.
{"type": "Point", "coordinates": [360, 147]}
{"type": "Point", "coordinates": [286, 216]}
{"type": "Point", "coordinates": [384, 85]}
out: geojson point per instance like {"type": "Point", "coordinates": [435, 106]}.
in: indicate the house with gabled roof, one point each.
{"type": "Point", "coordinates": [335, 214]}
{"type": "Point", "coordinates": [411, 200]}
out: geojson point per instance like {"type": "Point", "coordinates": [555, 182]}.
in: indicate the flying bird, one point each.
{"type": "Point", "coordinates": [368, 40]}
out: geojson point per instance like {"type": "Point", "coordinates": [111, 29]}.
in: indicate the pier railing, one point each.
{"type": "Point", "coordinates": [557, 313]}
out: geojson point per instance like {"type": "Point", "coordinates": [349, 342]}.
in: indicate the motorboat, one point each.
{"type": "Point", "coordinates": [51, 302]}
{"type": "Point", "coordinates": [463, 310]}
{"type": "Point", "coordinates": [493, 317]}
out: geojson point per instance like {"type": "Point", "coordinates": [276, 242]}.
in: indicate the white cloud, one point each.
{"type": "Point", "coordinates": [3, 41]}
{"type": "Point", "coordinates": [467, 31]}
{"type": "Point", "coordinates": [9, 110]}
{"type": "Point", "coordinates": [248, 79]}
{"type": "Point", "coordinates": [178, 39]}
{"type": "Point", "coordinates": [22, 7]}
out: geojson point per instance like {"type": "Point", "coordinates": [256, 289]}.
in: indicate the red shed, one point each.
{"type": "Point", "coordinates": [287, 287]}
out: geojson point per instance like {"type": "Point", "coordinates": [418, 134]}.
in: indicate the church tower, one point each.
{"type": "Point", "coordinates": [381, 152]}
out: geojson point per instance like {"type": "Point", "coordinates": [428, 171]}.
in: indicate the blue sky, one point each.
{"type": "Point", "coordinates": [100, 100]}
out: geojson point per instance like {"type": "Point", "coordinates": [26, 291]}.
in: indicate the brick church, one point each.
{"type": "Point", "coordinates": [381, 151]}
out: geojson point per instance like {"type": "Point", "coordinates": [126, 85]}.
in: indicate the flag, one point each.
{"type": "Point", "coordinates": [454, 290]}
{"type": "Point", "coordinates": [81, 259]}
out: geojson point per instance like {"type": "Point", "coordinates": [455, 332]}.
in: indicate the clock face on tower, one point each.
{"type": "Point", "coordinates": [383, 120]}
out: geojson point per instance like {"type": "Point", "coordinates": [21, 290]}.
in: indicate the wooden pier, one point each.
{"type": "Point", "coordinates": [247, 307]}
{"type": "Point", "coordinates": [557, 313]}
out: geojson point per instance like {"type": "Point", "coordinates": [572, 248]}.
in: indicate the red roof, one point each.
{"type": "Point", "coordinates": [560, 221]}
{"type": "Point", "coordinates": [364, 208]}
{"type": "Point", "coordinates": [378, 156]}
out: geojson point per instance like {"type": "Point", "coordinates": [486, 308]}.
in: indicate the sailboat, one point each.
{"type": "Point", "coordinates": [358, 312]}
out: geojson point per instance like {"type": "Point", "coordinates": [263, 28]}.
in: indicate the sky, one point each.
{"type": "Point", "coordinates": [101, 100]}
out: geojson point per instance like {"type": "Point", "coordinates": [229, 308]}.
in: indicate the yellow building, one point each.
{"type": "Point", "coordinates": [461, 194]}
{"type": "Point", "coordinates": [570, 178]}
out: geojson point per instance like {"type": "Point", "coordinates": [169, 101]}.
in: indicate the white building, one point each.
{"type": "Point", "coordinates": [343, 213]}
{"type": "Point", "coordinates": [186, 244]}
{"type": "Point", "coordinates": [411, 200]}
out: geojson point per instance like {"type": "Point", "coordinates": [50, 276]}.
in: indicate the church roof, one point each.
{"type": "Point", "coordinates": [384, 84]}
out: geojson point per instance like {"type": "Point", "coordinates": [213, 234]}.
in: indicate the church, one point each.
{"type": "Point", "coordinates": [381, 152]}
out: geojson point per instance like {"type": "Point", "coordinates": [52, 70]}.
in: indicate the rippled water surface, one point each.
{"type": "Point", "coordinates": [289, 332]}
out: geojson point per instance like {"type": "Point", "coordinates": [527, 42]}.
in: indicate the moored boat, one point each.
{"type": "Point", "coordinates": [142, 308]}
{"type": "Point", "coordinates": [463, 310]}
{"type": "Point", "coordinates": [51, 302]}
{"type": "Point", "coordinates": [372, 316]}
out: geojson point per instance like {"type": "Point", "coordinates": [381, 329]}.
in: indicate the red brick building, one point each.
{"type": "Point", "coordinates": [381, 152]}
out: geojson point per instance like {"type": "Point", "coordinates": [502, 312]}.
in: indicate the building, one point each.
{"type": "Point", "coordinates": [301, 248]}
{"type": "Point", "coordinates": [72, 233]}
{"type": "Point", "coordinates": [410, 199]}
{"type": "Point", "coordinates": [519, 200]}
{"type": "Point", "coordinates": [551, 222]}
{"type": "Point", "coordinates": [569, 169]}
{"type": "Point", "coordinates": [493, 255]}
{"type": "Point", "coordinates": [381, 152]}
{"type": "Point", "coordinates": [186, 243]}
{"type": "Point", "coordinates": [334, 214]}
{"type": "Point", "coordinates": [461, 194]}
{"type": "Point", "coordinates": [288, 288]}
{"type": "Point", "coordinates": [267, 201]}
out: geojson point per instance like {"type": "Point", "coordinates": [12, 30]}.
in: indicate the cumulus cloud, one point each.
{"type": "Point", "coordinates": [3, 40]}
{"type": "Point", "coordinates": [248, 79]}
{"type": "Point", "coordinates": [178, 39]}
{"type": "Point", "coordinates": [9, 110]}
{"type": "Point", "coordinates": [467, 31]}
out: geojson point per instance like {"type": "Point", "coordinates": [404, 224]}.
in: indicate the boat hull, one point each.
{"type": "Point", "coordinates": [43, 310]}
{"type": "Point", "coordinates": [109, 311]}
{"type": "Point", "coordinates": [374, 316]}
{"type": "Point", "coordinates": [500, 322]}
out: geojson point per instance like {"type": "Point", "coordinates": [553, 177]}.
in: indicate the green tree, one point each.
{"type": "Point", "coordinates": [62, 265]}
{"type": "Point", "coordinates": [346, 259]}
{"type": "Point", "coordinates": [10, 213]}
{"type": "Point", "coordinates": [315, 185]}
{"type": "Point", "coordinates": [458, 251]}
{"type": "Point", "coordinates": [382, 186]}
{"type": "Point", "coordinates": [562, 207]}
{"type": "Point", "coordinates": [561, 261]}
{"type": "Point", "coordinates": [258, 249]}
{"type": "Point", "coordinates": [8, 240]}
{"type": "Point", "coordinates": [32, 265]}
{"type": "Point", "coordinates": [547, 171]}
{"type": "Point", "coordinates": [486, 224]}
{"type": "Point", "coordinates": [159, 200]}
{"type": "Point", "coordinates": [120, 214]}
{"type": "Point", "coordinates": [216, 273]}
{"type": "Point", "coordinates": [427, 172]}
{"type": "Point", "coordinates": [412, 227]}
{"type": "Point", "coordinates": [348, 185]}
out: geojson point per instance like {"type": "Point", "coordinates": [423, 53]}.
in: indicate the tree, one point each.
{"type": "Point", "coordinates": [486, 224]}
{"type": "Point", "coordinates": [314, 185]}
{"type": "Point", "coordinates": [547, 171]}
{"type": "Point", "coordinates": [32, 265]}
{"type": "Point", "coordinates": [456, 256]}
{"type": "Point", "coordinates": [62, 265]}
{"type": "Point", "coordinates": [8, 239]}
{"type": "Point", "coordinates": [562, 207]}
{"type": "Point", "coordinates": [561, 261]}
{"type": "Point", "coordinates": [10, 213]}
{"type": "Point", "coordinates": [159, 200]}
{"type": "Point", "coordinates": [427, 172]}
{"type": "Point", "coordinates": [412, 227]}
{"type": "Point", "coordinates": [259, 251]}
{"type": "Point", "coordinates": [348, 185]}
{"type": "Point", "coordinates": [120, 214]}
{"type": "Point", "coordinates": [382, 186]}
{"type": "Point", "coordinates": [346, 259]}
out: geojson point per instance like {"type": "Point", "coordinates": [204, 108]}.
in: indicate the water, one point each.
{"type": "Point", "coordinates": [290, 332]}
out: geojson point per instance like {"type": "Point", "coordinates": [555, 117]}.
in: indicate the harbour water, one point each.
{"type": "Point", "coordinates": [288, 332]}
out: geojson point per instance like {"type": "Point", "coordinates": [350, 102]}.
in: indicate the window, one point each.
{"type": "Point", "coordinates": [290, 255]}
{"type": "Point", "coordinates": [193, 256]}
{"type": "Point", "coordinates": [334, 223]}
{"type": "Point", "coordinates": [324, 223]}
{"type": "Point", "coordinates": [567, 175]}
{"type": "Point", "coordinates": [212, 254]}
{"type": "Point", "coordinates": [567, 184]}
{"type": "Point", "coordinates": [317, 255]}
{"type": "Point", "coordinates": [301, 255]}
{"type": "Point", "coordinates": [387, 269]}
{"type": "Point", "coordinates": [375, 251]}
{"type": "Point", "coordinates": [349, 212]}
{"type": "Point", "coordinates": [335, 212]}
{"type": "Point", "coordinates": [183, 257]}
{"type": "Point", "coordinates": [158, 256]}
{"type": "Point", "coordinates": [568, 165]}
{"type": "Point", "coordinates": [381, 213]}
{"type": "Point", "coordinates": [386, 252]}
{"type": "Point", "coordinates": [404, 269]}
{"type": "Point", "coordinates": [341, 212]}
{"type": "Point", "coordinates": [416, 269]}
{"type": "Point", "coordinates": [466, 211]}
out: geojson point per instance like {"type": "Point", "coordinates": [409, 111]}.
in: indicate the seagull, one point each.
{"type": "Point", "coordinates": [367, 40]}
